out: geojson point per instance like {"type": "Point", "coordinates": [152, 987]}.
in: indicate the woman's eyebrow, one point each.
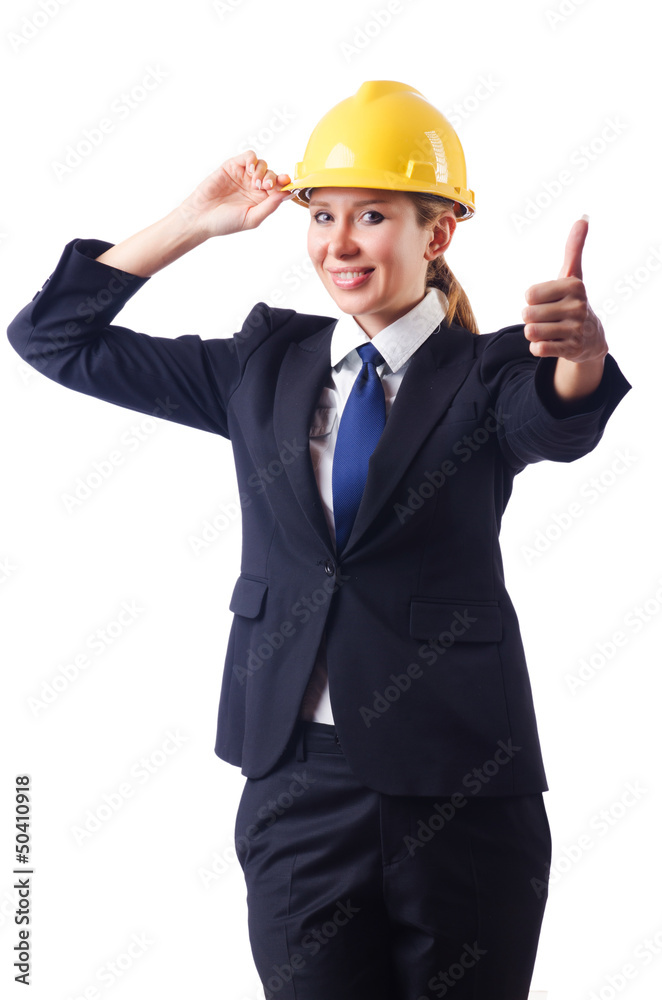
{"type": "Point", "coordinates": [368, 201]}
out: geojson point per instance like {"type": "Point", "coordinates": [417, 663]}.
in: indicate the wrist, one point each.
{"type": "Point", "coordinates": [183, 226]}
{"type": "Point", "coordinates": [153, 248]}
{"type": "Point", "coordinates": [577, 379]}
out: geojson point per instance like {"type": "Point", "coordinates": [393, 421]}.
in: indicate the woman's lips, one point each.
{"type": "Point", "coordinates": [360, 278]}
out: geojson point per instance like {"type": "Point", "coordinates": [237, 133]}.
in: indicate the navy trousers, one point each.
{"type": "Point", "coordinates": [357, 895]}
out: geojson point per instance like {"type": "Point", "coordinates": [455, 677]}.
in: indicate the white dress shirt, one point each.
{"type": "Point", "coordinates": [396, 344]}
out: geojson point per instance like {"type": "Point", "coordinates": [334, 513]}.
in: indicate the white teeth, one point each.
{"type": "Point", "coordinates": [349, 275]}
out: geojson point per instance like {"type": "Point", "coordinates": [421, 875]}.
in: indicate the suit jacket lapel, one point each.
{"type": "Point", "coordinates": [435, 373]}
{"type": "Point", "coordinates": [302, 375]}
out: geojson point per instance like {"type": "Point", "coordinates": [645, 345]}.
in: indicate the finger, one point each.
{"type": "Point", "coordinates": [249, 160]}
{"type": "Point", "coordinates": [259, 173]}
{"type": "Point", "coordinates": [274, 182]}
{"type": "Point", "coordinates": [572, 262]}
{"type": "Point", "coordinates": [269, 180]}
{"type": "Point", "coordinates": [551, 332]}
{"type": "Point", "coordinates": [258, 213]}
{"type": "Point", "coordinates": [548, 348]}
{"type": "Point", "coordinates": [567, 308]}
{"type": "Point", "coordinates": [547, 291]}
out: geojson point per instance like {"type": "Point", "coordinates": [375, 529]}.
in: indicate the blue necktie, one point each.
{"type": "Point", "coordinates": [361, 425]}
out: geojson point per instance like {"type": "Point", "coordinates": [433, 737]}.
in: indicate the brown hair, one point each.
{"type": "Point", "coordinates": [429, 207]}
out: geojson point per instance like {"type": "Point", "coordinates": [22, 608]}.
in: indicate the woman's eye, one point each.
{"type": "Point", "coordinates": [377, 217]}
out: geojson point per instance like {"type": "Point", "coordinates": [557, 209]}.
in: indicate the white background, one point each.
{"type": "Point", "coordinates": [527, 84]}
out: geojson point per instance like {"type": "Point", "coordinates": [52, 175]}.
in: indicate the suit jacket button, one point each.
{"type": "Point", "coordinates": [329, 567]}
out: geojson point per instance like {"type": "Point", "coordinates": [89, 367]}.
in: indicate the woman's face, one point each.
{"type": "Point", "coordinates": [370, 253]}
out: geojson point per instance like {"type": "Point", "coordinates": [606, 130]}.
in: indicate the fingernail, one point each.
{"type": "Point", "coordinates": [584, 218]}
{"type": "Point", "coordinates": [268, 184]}
{"type": "Point", "coordinates": [251, 168]}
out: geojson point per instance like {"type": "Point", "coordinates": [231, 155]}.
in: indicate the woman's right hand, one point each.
{"type": "Point", "coordinates": [232, 198]}
{"type": "Point", "coordinates": [238, 195]}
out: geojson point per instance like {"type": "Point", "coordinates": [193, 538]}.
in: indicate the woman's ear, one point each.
{"type": "Point", "coordinates": [441, 236]}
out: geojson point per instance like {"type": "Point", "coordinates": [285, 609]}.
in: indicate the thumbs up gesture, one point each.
{"type": "Point", "coordinates": [558, 320]}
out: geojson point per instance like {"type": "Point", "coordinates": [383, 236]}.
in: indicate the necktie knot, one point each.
{"type": "Point", "coordinates": [369, 353]}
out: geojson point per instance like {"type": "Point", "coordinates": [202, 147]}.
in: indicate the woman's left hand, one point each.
{"type": "Point", "coordinates": [558, 320]}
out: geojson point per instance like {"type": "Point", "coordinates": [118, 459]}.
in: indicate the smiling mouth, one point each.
{"type": "Point", "coordinates": [350, 278]}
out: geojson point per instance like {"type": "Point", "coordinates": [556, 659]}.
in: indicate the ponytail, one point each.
{"type": "Point", "coordinates": [439, 275]}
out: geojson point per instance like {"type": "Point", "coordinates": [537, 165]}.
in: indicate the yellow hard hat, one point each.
{"type": "Point", "coordinates": [386, 136]}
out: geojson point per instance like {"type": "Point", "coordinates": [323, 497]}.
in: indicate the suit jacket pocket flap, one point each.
{"type": "Point", "coordinates": [465, 622]}
{"type": "Point", "coordinates": [247, 597]}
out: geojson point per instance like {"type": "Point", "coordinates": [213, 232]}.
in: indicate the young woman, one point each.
{"type": "Point", "coordinates": [392, 829]}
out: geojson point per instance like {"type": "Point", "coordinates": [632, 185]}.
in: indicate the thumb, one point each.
{"type": "Point", "coordinates": [572, 263]}
{"type": "Point", "coordinates": [258, 213]}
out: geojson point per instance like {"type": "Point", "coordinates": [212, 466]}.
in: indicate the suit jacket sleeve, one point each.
{"type": "Point", "coordinates": [66, 333]}
{"type": "Point", "coordinates": [533, 423]}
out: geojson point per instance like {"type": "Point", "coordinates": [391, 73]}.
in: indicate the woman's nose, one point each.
{"type": "Point", "coordinates": [342, 242]}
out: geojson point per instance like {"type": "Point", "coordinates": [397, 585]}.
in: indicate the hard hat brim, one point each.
{"type": "Point", "coordinates": [351, 177]}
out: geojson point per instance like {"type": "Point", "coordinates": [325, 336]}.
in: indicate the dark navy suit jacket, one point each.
{"type": "Point", "coordinates": [427, 674]}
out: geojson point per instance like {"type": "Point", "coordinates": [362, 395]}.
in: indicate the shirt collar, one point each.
{"type": "Point", "coordinates": [396, 343]}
